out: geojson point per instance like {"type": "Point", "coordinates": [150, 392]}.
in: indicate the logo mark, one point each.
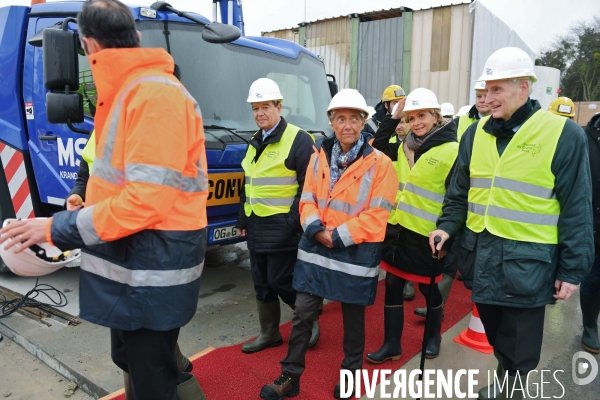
{"type": "Point", "coordinates": [258, 95]}
{"type": "Point", "coordinates": [489, 71]}
{"type": "Point", "coordinates": [415, 102]}
{"type": "Point", "coordinates": [580, 367]}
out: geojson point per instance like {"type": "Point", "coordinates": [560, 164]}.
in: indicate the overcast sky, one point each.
{"type": "Point", "coordinates": [536, 21]}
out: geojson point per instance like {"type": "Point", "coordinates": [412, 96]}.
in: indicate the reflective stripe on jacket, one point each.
{"type": "Point", "coordinates": [423, 187]}
{"type": "Point", "coordinates": [358, 208]}
{"type": "Point", "coordinates": [143, 226]}
{"type": "Point", "coordinates": [512, 196]}
{"type": "Point", "coordinates": [270, 186]}
{"type": "Point", "coordinates": [464, 121]}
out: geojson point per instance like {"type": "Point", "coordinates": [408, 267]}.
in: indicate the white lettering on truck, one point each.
{"type": "Point", "coordinates": [67, 154]}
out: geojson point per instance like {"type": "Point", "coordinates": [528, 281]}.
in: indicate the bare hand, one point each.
{"type": "Point", "coordinates": [324, 237]}
{"type": "Point", "coordinates": [399, 109]}
{"type": "Point", "coordinates": [564, 290]}
{"type": "Point", "coordinates": [74, 202]}
{"type": "Point", "coordinates": [24, 233]}
{"type": "Point", "coordinates": [442, 254]}
{"type": "Point", "coordinates": [241, 232]}
{"type": "Point", "coordinates": [443, 235]}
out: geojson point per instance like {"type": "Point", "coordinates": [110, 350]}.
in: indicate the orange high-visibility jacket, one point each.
{"type": "Point", "coordinates": [143, 225]}
{"type": "Point", "coordinates": [358, 208]}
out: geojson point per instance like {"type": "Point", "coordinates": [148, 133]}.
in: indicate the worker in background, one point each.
{"type": "Point", "coordinates": [522, 187]}
{"type": "Point", "coordinates": [275, 167]}
{"type": "Point", "coordinates": [348, 194]}
{"type": "Point", "coordinates": [479, 110]}
{"type": "Point", "coordinates": [563, 106]}
{"type": "Point", "coordinates": [143, 228]}
{"type": "Point", "coordinates": [425, 162]}
{"type": "Point", "coordinates": [447, 110]}
{"type": "Point", "coordinates": [391, 95]}
{"type": "Point", "coordinates": [589, 295]}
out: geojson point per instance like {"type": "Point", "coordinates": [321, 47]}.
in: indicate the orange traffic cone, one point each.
{"type": "Point", "coordinates": [474, 336]}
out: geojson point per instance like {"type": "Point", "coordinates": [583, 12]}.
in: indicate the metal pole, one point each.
{"type": "Point", "coordinates": [436, 258]}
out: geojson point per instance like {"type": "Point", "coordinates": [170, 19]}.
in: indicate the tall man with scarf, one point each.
{"type": "Point", "coordinates": [522, 190]}
{"type": "Point", "coordinates": [348, 193]}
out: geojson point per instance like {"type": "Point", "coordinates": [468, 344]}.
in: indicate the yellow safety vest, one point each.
{"type": "Point", "coordinates": [463, 123]}
{"type": "Point", "coordinates": [512, 196]}
{"type": "Point", "coordinates": [89, 151]}
{"type": "Point", "coordinates": [423, 187]}
{"type": "Point", "coordinates": [270, 187]}
{"type": "Point", "coordinates": [392, 218]}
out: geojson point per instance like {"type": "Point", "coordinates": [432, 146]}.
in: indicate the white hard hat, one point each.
{"type": "Point", "coordinates": [447, 109]}
{"type": "Point", "coordinates": [421, 99]}
{"type": "Point", "coordinates": [479, 85]}
{"type": "Point", "coordinates": [348, 98]}
{"type": "Point", "coordinates": [37, 260]}
{"type": "Point", "coordinates": [371, 111]}
{"type": "Point", "coordinates": [507, 63]}
{"type": "Point", "coordinates": [264, 89]}
{"type": "Point", "coordinates": [463, 110]}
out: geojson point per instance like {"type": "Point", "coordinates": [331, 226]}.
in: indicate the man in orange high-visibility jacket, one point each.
{"type": "Point", "coordinates": [348, 193]}
{"type": "Point", "coordinates": [143, 227]}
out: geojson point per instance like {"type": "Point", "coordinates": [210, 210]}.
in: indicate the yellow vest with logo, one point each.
{"type": "Point", "coordinates": [512, 196]}
{"type": "Point", "coordinates": [89, 151]}
{"type": "Point", "coordinates": [270, 187]}
{"type": "Point", "coordinates": [463, 123]}
{"type": "Point", "coordinates": [423, 187]}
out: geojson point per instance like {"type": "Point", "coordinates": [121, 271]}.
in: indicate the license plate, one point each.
{"type": "Point", "coordinates": [227, 232]}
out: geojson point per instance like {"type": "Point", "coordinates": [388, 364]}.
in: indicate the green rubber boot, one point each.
{"type": "Point", "coordinates": [493, 391]}
{"type": "Point", "coordinates": [269, 315]}
{"type": "Point", "coordinates": [444, 285]}
{"type": "Point", "coordinates": [190, 390]}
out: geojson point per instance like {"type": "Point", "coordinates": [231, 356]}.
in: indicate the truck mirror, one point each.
{"type": "Point", "coordinates": [61, 67]}
{"type": "Point", "coordinates": [64, 108]}
{"type": "Point", "coordinates": [333, 86]}
{"type": "Point", "coordinates": [220, 33]}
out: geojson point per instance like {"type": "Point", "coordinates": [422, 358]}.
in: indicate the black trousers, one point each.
{"type": "Point", "coordinates": [148, 358]}
{"type": "Point", "coordinates": [307, 311]}
{"type": "Point", "coordinates": [272, 274]}
{"type": "Point", "coordinates": [516, 333]}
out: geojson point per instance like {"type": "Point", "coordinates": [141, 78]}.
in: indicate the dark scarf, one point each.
{"type": "Point", "coordinates": [501, 128]}
{"type": "Point", "coordinates": [414, 142]}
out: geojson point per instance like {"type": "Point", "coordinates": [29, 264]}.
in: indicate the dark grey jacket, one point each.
{"type": "Point", "coordinates": [522, 274]}
{"type": "Point", "coordinates": [593, 136]}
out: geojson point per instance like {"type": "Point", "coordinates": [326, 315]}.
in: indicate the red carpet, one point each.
{"type": "Point", "coordinates": [228, 374]}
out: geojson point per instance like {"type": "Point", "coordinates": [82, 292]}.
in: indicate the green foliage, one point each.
{"type": "Point", "coordinates": [577, 56]}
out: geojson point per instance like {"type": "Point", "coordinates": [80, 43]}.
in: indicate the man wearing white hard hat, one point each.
{"type": "Point", "coordinates": [348, 193]}
{"type": "Point", "coordinates": [274, 167]}
{"type": "Point", "coordinates": [522, 192]}
{"type": "Point", "coordinates": [447, 110]}
{"type": "Point", "coordinates": [479, 110]}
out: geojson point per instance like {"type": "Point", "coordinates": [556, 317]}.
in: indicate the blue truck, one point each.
{"type": "Point", "coordinates": [40, 159]}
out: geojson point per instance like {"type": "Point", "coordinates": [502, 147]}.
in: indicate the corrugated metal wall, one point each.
{"type": "Point", "coordinates": [380, 46]}
{"type": "Point", "coordinates": [287, 34]}
{"type": "Point", "coordinates": [440, 62]}
{"type": "Point", "coordinates": [331, 40]}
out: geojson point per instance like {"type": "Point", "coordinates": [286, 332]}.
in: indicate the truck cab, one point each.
{"type": "Point", "coordinates": [40, 159]}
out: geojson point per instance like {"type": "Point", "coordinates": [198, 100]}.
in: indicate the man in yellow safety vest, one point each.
{"type": "Point", "coordinates": [522, 190]}
{"type": "Point", "coordinates": [274, 167]}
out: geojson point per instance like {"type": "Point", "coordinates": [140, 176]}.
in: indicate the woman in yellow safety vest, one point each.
{"type": "Point", "coordinates": [424, 164]}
